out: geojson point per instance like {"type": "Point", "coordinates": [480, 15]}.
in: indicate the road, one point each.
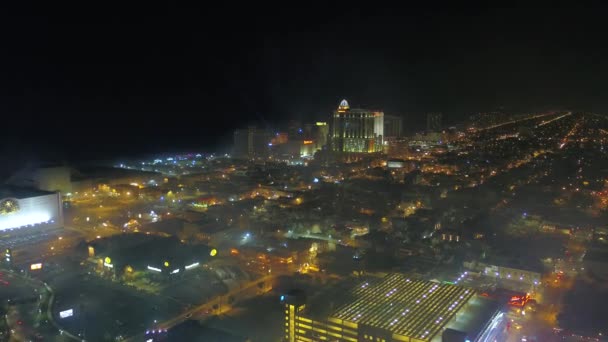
{"type": "Point", "coordinates": [209, 305]}
{"type": "Point", "coordinates": [518, 120]}
{"type": "Point", "coordinates": [540, 322]}
{"type": "Point", "coordinates": [27, 320]}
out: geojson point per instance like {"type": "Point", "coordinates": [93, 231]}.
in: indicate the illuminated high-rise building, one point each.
{"type": "Point", "coordinates": [357, 130]}
{"type": "Point", "coordinates": [251, 143]}
{"type": "Point", "coordinates": [433, 122]}
{"type": "Point", "coordinates": [321, 132]}
{"type": "Point", "coordinates": [393, 126]}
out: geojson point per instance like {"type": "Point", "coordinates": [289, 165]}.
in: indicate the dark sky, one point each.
{"type": "Point", "coordinates": [96, 81]}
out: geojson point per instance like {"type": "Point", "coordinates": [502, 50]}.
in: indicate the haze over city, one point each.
{"type": "Point", "coordinates": [302, 174]}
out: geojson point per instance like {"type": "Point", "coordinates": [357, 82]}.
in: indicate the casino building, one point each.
{"type": "Point", "coordinates": [26, 208]}
{"type": "Point", "coordinates": [357, 130]}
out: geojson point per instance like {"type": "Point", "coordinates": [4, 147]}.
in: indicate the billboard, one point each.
{"type": "Point", "coordinates": [66, 313]}
{"type": "Point", "coordinates": [30, 212]}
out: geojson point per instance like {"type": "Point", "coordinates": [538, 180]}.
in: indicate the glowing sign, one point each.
{"type": "Point", "coordinates": [66, 313]}
{"type": "Point", "coordinates": [191, 266]}
{"type": "Point", "coordinates": [107, 262]}
{"type": "Point", "coordinates": [308, 142]}
{"type": "Point", "coordinates": [213, 252]}
{"type": "Point", "coordinates": [321, 123]}
{"type": "Point", "coordinates": [36, 266]}
{"type": "Point", "coordinates": [9, 206]}
{"type": "Point", "coordinates": [519, 300]}
{"type": "Point", "coordinates": [154, 269]}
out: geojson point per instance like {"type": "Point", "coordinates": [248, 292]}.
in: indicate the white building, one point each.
{"type": "Point", "coordinates": [25, 208]}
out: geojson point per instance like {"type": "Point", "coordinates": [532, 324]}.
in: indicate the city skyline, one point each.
{"type": "Point", "coordinates": [490, 231]}
{"type": "Point", "coordinates": [304, 173]}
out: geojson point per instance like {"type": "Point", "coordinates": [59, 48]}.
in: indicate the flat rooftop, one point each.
{"type": "Point", "coordinates": [409, 307]}
{"type": "Point", "coordinates": [21, 192]}
{"type": "Point", "coordinates": [140, 250]}
{"type": "Point", "coordinates": [474, 318]}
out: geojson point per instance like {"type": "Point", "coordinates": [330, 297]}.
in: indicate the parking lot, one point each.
{"type": "Point", "coordinates": [103, 309]}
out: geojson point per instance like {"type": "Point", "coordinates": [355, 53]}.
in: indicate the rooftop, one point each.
{"type": "Point", "coordinates": [414, 308]}
{"type": "Point", "coordinates": [140, 250]}
{"type": "Point", "coordinates": [21, 192]}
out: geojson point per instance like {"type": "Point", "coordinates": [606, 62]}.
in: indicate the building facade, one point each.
{"type": "Point", "coordinates": [433, 122]}
{"type": "Point", "coordinates": [251, 143]}
{"type": "Point", "coordinates": [357, 130]}
{"type": "Point", "coordinates": [321, 132]}
{"type": "Point", "coordinates": [393, 126]}
{"type": "Point", "coordinates": [23, 208]}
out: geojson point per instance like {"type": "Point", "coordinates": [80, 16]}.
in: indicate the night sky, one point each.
{"type": "Point", "coordinates": [94, 82]}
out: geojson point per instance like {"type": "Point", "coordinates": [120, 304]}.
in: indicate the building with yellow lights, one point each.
{"type": "Point", "coordinates": [357, 130]}
{"type": "Point", "coordinates": [123, 254]}
{"type": "Point", "coordinates": [393, 308]}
